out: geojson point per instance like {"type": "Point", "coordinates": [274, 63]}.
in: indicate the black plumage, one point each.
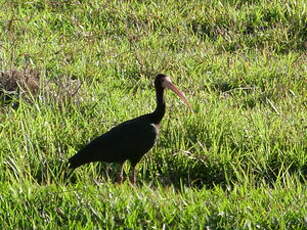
{"type": "Point", "coordinates": [131, 139]}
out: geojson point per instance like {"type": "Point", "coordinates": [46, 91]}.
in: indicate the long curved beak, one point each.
{"type": "Point", "coordinates": [180, 94]}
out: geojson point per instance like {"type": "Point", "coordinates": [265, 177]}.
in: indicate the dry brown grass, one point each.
{"type": "Point", "coordinates": [28, 84]}
{"type": "Point", "coordinates": [18, 82]}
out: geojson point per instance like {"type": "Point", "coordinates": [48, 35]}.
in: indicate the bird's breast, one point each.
{"type": "Point", "coordinates": [156, 126]}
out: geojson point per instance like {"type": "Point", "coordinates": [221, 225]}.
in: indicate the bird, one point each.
{"type": "Point", "coordinates": [131, 139]}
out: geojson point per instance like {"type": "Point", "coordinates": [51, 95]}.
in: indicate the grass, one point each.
{"type": "Point", "coordinates": [126, 207]}
{"type": "Point", "coordinates": [237, 162]}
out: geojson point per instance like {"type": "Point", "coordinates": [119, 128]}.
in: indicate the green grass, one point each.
{"type": "Point", "coordinates": [126, 207]}
{"type": "Point", "coordinates": [237, 162]}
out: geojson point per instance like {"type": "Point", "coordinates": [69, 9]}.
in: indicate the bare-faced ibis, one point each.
{"type": "Point", "coordinates": [131, 139]}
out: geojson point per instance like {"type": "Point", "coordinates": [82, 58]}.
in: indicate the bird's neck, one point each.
{"type": "Point", "coordinates": [160, 109]}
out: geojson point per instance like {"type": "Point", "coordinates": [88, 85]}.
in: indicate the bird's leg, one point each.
{"type": "Point", "coordinates": [107, 172]}
{"type": "Point", "coordinates": [120, 174]}
{"type": "Point", "coordinates": [133, 176]}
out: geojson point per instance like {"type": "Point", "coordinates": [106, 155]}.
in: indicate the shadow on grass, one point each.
{"type": "Point", "coordinates": [187, 173]}
{"type": "Point", "coordinates": [170, 172]}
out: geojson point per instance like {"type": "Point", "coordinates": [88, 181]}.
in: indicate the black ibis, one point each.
{"type": "Point", "coordinates": [131, 139]}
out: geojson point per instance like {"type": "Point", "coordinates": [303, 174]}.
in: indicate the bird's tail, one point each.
{"type": "Point", "coordinates": [80, 158]}
{"type": "Point", "coordinates": [74, 161]}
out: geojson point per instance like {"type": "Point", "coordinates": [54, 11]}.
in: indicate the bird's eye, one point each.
{"type": "Point", "coordinates": [165, 82]}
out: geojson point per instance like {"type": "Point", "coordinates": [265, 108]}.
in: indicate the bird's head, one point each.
{"type": "Point", "coordinates": [163, 81]}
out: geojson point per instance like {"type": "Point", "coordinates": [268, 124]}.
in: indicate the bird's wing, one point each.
{"type": "Point", "coordinates": [127, 140]}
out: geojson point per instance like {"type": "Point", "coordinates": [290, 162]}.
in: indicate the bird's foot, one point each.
{"type": "Point", "coordinates": [133, 180]}
{"type": "Point", "coordinates": [119, 180]}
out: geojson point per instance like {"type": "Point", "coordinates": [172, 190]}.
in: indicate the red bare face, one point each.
{"type": "Point", "coordinates": [167, 84]}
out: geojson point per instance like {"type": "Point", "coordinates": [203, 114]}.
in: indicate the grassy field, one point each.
{"type": "Point", "coordinates": [70, 70]}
